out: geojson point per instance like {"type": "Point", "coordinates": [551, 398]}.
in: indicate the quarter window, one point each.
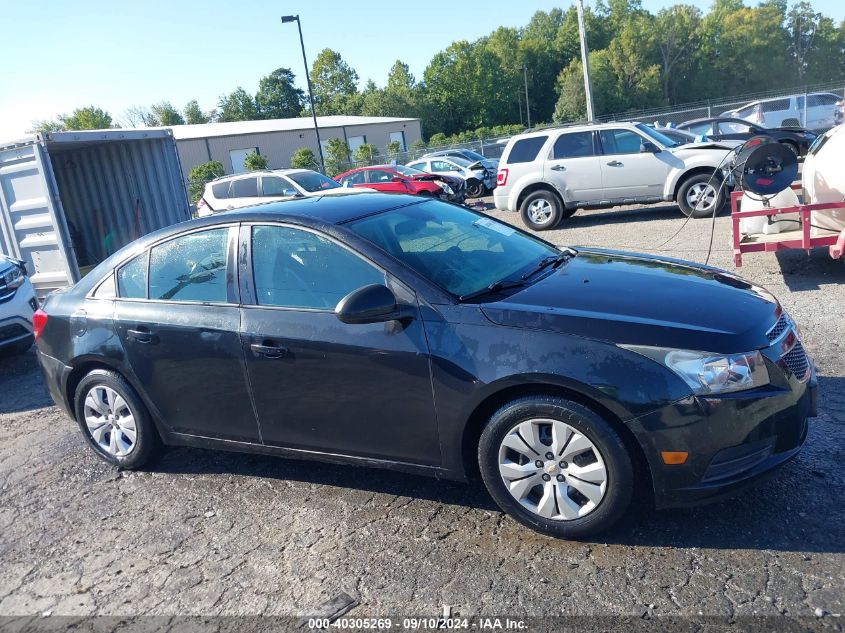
{"type": "Point", "coordinates": [132, 278]}
{"type": "Point", "coordinates": [190, 268]}
{"type": "Point", "coordinates": [573, 145]}
{"type": "Point", "coordinates": [525, 150]}
{"type": "Point", "coordinates": [299, 269]}
{"type": "Point", "coordinates": [221, 190]}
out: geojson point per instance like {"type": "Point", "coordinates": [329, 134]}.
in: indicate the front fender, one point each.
{"type": "Point", "coordinates": [695, 163]}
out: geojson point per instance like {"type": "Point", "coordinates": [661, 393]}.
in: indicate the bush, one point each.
{"type": "Point", "coordinates": [255, 162]}
{"type": "Point", "coordinates": [366, 154]}
{"type": "Point", "coordinates": [336, 155]}
{"type": "Point", "coordinates": [201, 174]}
{"type": "Point", "coordinates": [303, 158]}
{"type": "Point", "coordinates": [393, 147]}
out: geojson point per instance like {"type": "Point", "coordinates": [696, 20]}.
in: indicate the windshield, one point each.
{"type": "Point", "coordinates": [458, 250]}
{"type": "Point", "coordinates": [311, 181]}
{"type": "Point", "coordinates": [408, 171]}
{"type": "Point", "coordinates": [664, 140]}
{"type": "Point", "coordinates": [475, 156]}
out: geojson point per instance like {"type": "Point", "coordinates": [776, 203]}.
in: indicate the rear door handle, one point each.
{"type": "Point", "coordinates": [268, 351]}
{"type": "Point", "coordinates": [140, 335]}
{"type": "Point", "coordinates": [557, 168]}
{"type": "Point", "coordinates": [615, 163]}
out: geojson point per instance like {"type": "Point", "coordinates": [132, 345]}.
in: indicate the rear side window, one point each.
{"type": "Point", "coordinates": [525, 150]}
{"type": "Point", "coordinates": [132, 278]}
{"type": "Point", "coordinates": [245, 188]}
{"type": "Point", "coordinates": [190, 268]}
{"type": "Point", "coordinates": [573, 145]}
{"type": "Point", "coordinates": [777, 105]}
{"type": "Point", "coordinates": [221, 190]}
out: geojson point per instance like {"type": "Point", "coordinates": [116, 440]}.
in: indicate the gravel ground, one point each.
{"type": "Point", "coordinates": [217, 533]}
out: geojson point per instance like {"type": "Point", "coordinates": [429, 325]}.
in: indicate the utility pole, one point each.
{"type": "Point", "coordinates": [585, 60]}
{"type": "Point", "coordinates": [295, 18]}
{"type": "Point", "coordinates": [527, 110]}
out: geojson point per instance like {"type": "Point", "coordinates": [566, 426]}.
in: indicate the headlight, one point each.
{"type": "Point", "coordinates": [13, 278]}
{"type": "Point", "coordinates": [709, 374]}
{"type": "Point", "coordinates": [446, 188]}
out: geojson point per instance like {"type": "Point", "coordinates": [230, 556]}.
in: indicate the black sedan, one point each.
{"type": "Point", "coordinates": [424, 337]}
{"type": "Point", "coordinates": [728, 129]}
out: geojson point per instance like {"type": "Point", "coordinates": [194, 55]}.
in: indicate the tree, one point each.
{"type": "Point", "coordinates": [303, 158]}
{"type": "Point", "coordinates": [367, 154]}
{"type": "Point", "coordinates": [255, 162]}
{"type": "Point", "coordinates": [678, 30]}
{"type": "Point", "coordinates": [237, 106]}
{"type": "Point", "coordinates": [803, 24]}
{"type": "Point", "coordinates": [200, 175]}
{"type": "Point", "coordinates": [164, 114]}
{"type": "Point", "coordinates": [138, 116]}
{"type": "Point", "coordinates": [335, 84]}
{"type": "Point", "coordinates": [336, 155]}
{"type": "Point", "coordinates": [89, 118]}
{"type": "Point", "coordinates": [193, 114]}
{"type": "Point", "coordinates": [45, 126]}
{"type": "Point", "coordinates": [277, 97]}
{"type": "Point", "coordinates": [393, 147]}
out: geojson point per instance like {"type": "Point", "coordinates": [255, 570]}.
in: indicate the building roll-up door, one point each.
{"type": "Point", "coordinates": [32, 223]}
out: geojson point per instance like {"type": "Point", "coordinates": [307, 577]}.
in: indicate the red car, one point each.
{"type": "Point", "coordinates": [401, 179]}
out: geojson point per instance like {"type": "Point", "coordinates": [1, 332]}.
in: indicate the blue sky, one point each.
{"type": "Point", "coordinates": [61, 55]}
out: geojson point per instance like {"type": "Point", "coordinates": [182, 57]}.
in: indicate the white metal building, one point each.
{"type": "Point", "coordinates": [277, 139]}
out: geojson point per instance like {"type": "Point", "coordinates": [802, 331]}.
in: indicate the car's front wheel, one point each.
{"type": "Point", "coordinates": [542, 210]}
{"type": "Point", "coordinates": [556, 466]}
{"type": "Point", "coordinates": [114, 421]}
{"type": "Point", "coordinates": [474, 188]}
{"type": "Point", "coordinates": [701, 195]}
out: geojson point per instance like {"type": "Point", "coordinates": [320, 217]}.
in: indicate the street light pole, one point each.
{"type": "Point", "coordinates": [295, 18]}
{"type": "Point", "coordinates": [527, 109]}
{"type": "Point", "coordinates": [585, 60]}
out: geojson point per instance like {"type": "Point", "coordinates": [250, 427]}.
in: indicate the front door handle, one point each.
{"type": "Point", "coordinates": [268, 351]}
{"type": "Point", "coordinates": [140, 335]}
{"type": "Point", "coordinates": [615, 163]}
{"type": "Point", "coordinates": [557, 168]}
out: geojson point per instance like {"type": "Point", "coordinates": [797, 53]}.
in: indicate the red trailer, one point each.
{"type": "Point", "coordinates": [805, 237]}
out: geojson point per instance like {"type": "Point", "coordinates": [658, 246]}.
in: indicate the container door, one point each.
{"type": "Point", "coordinates": [32, 224]}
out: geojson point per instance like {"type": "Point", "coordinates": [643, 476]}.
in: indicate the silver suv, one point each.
{"type": "Point", "coordinates": [547, 175]}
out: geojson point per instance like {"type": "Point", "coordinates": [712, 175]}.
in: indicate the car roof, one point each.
{"type": "Point", "coordinates": [283, 172]}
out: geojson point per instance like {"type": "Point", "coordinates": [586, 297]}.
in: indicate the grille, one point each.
{"type": "Point", "coordinates": [796, 360]}
{"type": "Point", "coordinates": [778, 328]}
{"type": "Point", "coordinates": [11, 331]}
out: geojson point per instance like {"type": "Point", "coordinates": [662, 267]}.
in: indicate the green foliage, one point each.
{"type": "Point", "coordinates": [89, 118]}
{"type": "Point", "coordinates": [418, 145]}
{"type": "Point", "coordinates": [335, 85]}
{"type": "Point", "coordinates": [201, 174]}
{"type": "Point", "coordinates": [44, 126]}
{"type": "Point", "coordinates": [237, 106]}
{"type": "Point", "coordinates": [277, 97]}
{"type": "Point", "coordinates": [255, 162]}
{"type": "Point", "coordinates": [336, 155]}
{"type": "Point", "coordinates": [366, 154]}
{"type": "Point", "coordinates": [393, 147]}
{"type": "Point", "coordinates": [165, 114]}
{"type": "Point", "coordinates": [193, 114]}
{"type": "Point", "coordinates": [303, 158]}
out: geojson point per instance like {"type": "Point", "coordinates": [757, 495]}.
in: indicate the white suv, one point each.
{"type": "Point", "coordinates": [243, 190]}
{"type": "Point", "coordinates": [819, 113]}
{"type": "Point", "coordinates": [17, 303]}
{"type": "Point", "coordinates": [548, 175]}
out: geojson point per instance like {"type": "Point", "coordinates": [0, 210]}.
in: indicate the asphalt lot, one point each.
{"type": "Point", "coordinates": [216, 533]}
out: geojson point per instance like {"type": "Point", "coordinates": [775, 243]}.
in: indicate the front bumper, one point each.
{"type": "Point", "coordinates": [734, 441]}
{"type": "Point", "coordinates": [16, 315]}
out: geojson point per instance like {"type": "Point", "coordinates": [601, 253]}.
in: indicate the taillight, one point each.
{"type": "Point", "coordinates": [39, 320]}
{"type": "Point", "coordinates": [502, 178]}
{"type": "Point", "coordinates": [758, 114]}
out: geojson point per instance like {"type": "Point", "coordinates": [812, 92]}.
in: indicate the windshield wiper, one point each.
{"type": "Point", "coordinates": [553, 260]}
{"type": "Point", "coordinates": [496, 286]}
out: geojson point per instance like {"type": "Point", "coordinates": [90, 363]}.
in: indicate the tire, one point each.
{"type": "Point", "coordinates": [114, 443]}
{"type": "Point", "coordinates": [475, 188]}
{"type": "Point", "coordinates": [600, 453]}
{"type": "Point", "coordinates": [542, 210]}
{"type": "Point", "coordinates": [693, 187]}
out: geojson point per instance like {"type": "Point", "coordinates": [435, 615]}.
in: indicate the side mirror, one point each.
{"type": "Point", "coordinates": [371, 304]}
{"type": "Point", "coordinates": [290, 193]}
{"type": "Point", "coordinates": [647, 147]}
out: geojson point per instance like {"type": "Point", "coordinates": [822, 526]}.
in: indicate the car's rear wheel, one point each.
{"type": "Point", "coordinates": [699, 194]}
{"type": "Point", "coordinates": [474, 188]}
{"type": "Point", "coordinates": [114, 421]}
{"type": "Point", "coordinates": [542, 210]}
{"type": "Point", "coordinates": [556, 466]}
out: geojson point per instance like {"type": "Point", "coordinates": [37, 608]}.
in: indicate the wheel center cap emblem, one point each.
{"type": "Point", "coordinates": [551, 468]}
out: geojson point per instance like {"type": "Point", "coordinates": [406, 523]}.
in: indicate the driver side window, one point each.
{"type": "Point", "coordinates": [621, 142]}
{"type": "Point", "coordinates": [293, 268]}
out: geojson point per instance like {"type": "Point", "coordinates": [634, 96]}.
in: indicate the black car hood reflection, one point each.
{"type": "Point", "coordinates": [636, 299]}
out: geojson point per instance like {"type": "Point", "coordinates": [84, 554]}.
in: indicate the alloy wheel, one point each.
{"type": "Point", "coordinates": [110, 421]}
{"type": "Point", "coordinates": [701, 196]}
{"type": "Point", "coordinates": [552, 469]}
{"type": "Point", "coordinates": [540, 211]}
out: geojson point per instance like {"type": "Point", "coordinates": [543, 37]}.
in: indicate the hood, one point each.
{"type": "Point", "coordinates": [686, 148]}
{"type": "Point", "coordinates": [641, 300]}
{"type": "Point", "coordinates": [340, 191]}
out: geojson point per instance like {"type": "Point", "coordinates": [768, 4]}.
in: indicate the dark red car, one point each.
{"type": "Point", "coordinates": [401, 179]}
